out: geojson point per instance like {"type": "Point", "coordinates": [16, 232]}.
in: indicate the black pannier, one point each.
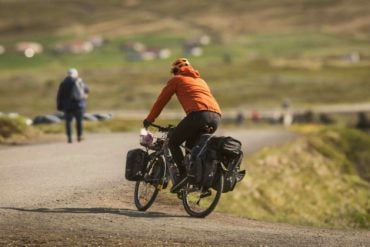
{"type": "Point", "coordinates": [209, 152]}
{"type": "Point", "coordinates": [201, 164]}
{"type": "Point", "coordinates": [230, 154]}
{"type": "Point", "coordinates": [230, 180]}
{"type": "Point", "coordinates": [226, 146]}
{"type": "Point", "coordinates": [209, 168]}
{"type": "Point", "coordinates": [194, 169]}
{"type": "Point", "coordinates": [136, 162]}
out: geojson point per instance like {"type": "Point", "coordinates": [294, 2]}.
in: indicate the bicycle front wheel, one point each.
{"type": "Point", "coordinates": [199, 202]}
{"type": "Point", "coordinates": [145, 195]}
{"type": "Point", "coordinates": [146, 191]}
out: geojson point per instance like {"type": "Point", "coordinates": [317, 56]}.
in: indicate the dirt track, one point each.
{"type": "Point", "coordinates": [66, 195]}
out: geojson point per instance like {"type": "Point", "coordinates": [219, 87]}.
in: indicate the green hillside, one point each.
{"type": "Point", "coordinates": [299, 49]}
{"type": "Point", "coordinates": [224, 19]}
{"type": "Point", "coordinates": [322, 179]}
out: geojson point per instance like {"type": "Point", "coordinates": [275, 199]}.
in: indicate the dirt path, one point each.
{"type": "Point", "coordinates": [66, 195]}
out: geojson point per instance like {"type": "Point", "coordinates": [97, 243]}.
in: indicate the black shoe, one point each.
{"type": "Point", "coordinates": [178, 185]}
{"type": "Point", "coordinates": [69, 140]}
{"type": "Point", "coordinates": [80, 138]}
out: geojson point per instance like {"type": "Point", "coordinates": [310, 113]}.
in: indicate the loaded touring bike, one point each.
{"type": "Point", "coordinates": [213, 168]}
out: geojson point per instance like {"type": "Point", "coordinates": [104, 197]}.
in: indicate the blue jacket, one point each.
{"type": "Point", "coordinates": [64, 98]}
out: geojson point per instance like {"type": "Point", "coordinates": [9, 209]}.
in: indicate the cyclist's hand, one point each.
{"type": "Point", "coordinates": [146, 123]}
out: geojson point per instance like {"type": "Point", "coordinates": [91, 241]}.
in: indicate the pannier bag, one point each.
{"type": "Point", "coordinates": [230, 154]}
{"type": "Point", "coordinates": [209, 152]}
{"type": "Point", "coordinates": [231, 178]}
{"type": "Point", "coordinates": [194, 170]}
{"type": "Point", "coordinates": [136, 162]}
{"type": "Point", "coordinates": [209, 168]}
{"type": "Point", "coordinates": [226, 146]}
{"type": "Point", "coordinates": [196, 164]}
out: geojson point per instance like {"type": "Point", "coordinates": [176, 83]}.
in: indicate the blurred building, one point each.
{"type": "Point", "coordinates": [194, 46]}
{"type": "Point", "coordinates": [2, 49]}
{"type": "Point", "coordinates": [137, 51]}
{"type": "Point", "coordinates": [79, 46]}
{"type": "Point", "coordinates": [75, 47]}
{"type": "Point", "coordinates": [97, 41]}
{"type": "Point", "coordinates": [29, 49]}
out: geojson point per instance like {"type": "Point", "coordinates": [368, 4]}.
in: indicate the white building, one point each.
{"type": "Point", "coordinates": [2, 49]}
{"type": "Point", "coordinates": [29, 49]}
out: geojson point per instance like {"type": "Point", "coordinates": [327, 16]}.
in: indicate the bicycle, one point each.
{"type": "Point", "coordinates": [198, 201]}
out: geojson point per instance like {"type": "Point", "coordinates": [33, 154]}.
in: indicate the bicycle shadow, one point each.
{"type": "Point", "coordinates": [117, 211]}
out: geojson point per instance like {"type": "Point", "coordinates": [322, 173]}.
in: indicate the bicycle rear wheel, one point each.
{"type": "Point", "coordinates": [198, 203]}
{"type": "Point", "coordinates": [146, 191]}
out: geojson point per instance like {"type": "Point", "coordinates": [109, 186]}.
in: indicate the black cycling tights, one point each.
{"type": "Point", "coordinates": [189, 130]}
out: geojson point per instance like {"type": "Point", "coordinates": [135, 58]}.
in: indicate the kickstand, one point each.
{"type": "Point", "coordinates": [204, 194]}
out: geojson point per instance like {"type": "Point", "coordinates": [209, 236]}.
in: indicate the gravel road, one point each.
{"type": "Point", "coordinates": [60, 194]}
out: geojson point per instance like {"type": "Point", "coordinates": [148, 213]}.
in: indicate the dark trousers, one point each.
{"type": "Point", "coordinates": [78, 115]}
{"type": "Point", "coordinates": [189, 130]}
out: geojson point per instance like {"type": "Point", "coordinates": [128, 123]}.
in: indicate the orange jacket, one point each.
{"type": "Point", "coordinates": [192, 92]}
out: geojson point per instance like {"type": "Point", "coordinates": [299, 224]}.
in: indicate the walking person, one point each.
{"type": "Point", "coordinates": [200, 106]}
{"type": "Point", "coordinates": [71, 99]}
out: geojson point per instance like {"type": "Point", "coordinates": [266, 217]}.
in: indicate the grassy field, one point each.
{"type": "Point", "coordinates": [261, 51]}
{"type": "Point", "coordinates": [323, 179]}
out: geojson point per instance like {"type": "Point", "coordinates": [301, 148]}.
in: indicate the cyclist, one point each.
{"type": "Point", "coordinates": [201, 108]}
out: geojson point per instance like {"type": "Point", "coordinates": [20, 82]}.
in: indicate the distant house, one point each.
{"type": "Point", "coordinates": [75, 47]}
{"type": "Point", "coordinates": [29, 49]}
{"type": "Point", "coordinates": [204, 40]}
{"type": "Point", "coordinates": [163, 53]}
{"type": "Point", "coordinates": [353, 57]}
{"type": "Point", "coordinates": [96, 41]}
{"type": "Point", "coordinates": [2, 49]}
{"type": "Point", "coordinates": [193, 50]}
{"type": "Point", "coordinates": [79, 46]}
{"type": "Point", "coordinates": [134, 46]}
{"type": "Point", "coordinates": [194, 46]}
{"type": "Point", "coordinates": [138, 51]}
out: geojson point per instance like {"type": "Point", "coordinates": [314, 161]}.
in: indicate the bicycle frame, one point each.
{"type": "Point", "coordinates": [198, 201]}
{"type": "Point", "coordinates": [163, 152]}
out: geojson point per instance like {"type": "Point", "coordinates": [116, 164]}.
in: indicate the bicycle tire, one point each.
{"type": "Point", "coordinates": [202, 211]}
{"type": "Point", "coordinates": [146, 191]}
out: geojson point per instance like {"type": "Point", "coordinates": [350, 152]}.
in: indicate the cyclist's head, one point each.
{"type": "Point", "coordinates": [179, 63]}
{"type": "Point", "coordinates": [72, 72]}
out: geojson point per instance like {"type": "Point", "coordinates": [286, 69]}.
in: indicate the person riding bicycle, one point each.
{"type": "Point", "coordinates": [201, 108]}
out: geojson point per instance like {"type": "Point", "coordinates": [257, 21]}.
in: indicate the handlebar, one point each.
{"type": "Point", "coordinates": [161, 128]}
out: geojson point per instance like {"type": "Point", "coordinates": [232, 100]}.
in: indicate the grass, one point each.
{"type": "Point", "coordinates": [112, 125]}
{"type": "Point", "coordinates": [321, 179]}
{"type": "Point", "coordinates": [14, 130]}
{"type": "Point", "coordinates": [309, 43]}
{"type": "Point", "coordinates": [251, 65]}
{"type": "Point", "coordinates": [120, 84]}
